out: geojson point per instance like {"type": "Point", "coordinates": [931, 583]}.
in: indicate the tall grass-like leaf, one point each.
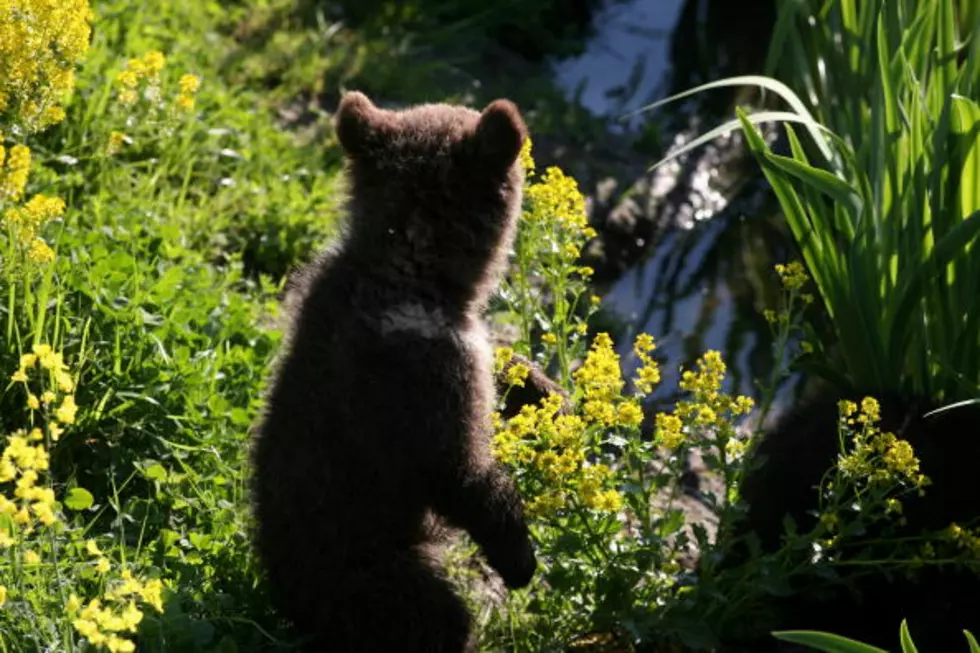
{"type": "Point", "coordinates": [826, 642]}
{"type": "Point", "coordinates": [908, 646]}
{"type": "Point", "coordinates": [886, 219]}
{"type": "Point", "coordinates": [974, 647]}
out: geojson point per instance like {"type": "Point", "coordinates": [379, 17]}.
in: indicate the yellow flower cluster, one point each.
{"type": "Point", "coordinates": [25, 457]}
{"type": "Point", "coordinates": [103, 619]}
{"type": "Point", "coordinates": [557, 198]}
{"type": "Point", "coordinates": [877, 457]}
{"type": "Point", "coordinates": [44, 357]}
{"type": "Point", "coordinates": [793, 275]}
{"type": "Point", "coordinates": [591, 489]}
{"type": "Point", "coordinates": [552, 446]}
{"type": "Point", "coordinates": [20, 464]}
{"type": "Point", "coordinates": [41, 41]}
{"type": "Point", "coordinates": [709, 407]}
{"type": "Point", "coordinates": [965, 539]}
{"type": "Point", "coordinates": [601, 381]}
{"type": "Point", "coordinates": [143, 73]}
{"type": "Point", "coordinates": [515, 372]}
{"type": "Point", "coordinates": [14, 168]}
{"type": "Point", "coordinates": [137, 71]}
{"type": "Point", "coordinates": [25, 222]}
{"type": "Point", "coordinates": [527, 161]}
{"type": "Point", "coordinates": [189, 84]}
{"type": "Point", "coordinates": [115, 144]}
{"type": "Point", "coordinates": [648, 374]}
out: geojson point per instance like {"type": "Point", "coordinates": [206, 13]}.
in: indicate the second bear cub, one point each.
{"type": "Point", "coordinates": [377, 417]}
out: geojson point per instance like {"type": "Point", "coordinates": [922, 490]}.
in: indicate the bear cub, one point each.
{"type": "Point", "coordinates": [376, 423]}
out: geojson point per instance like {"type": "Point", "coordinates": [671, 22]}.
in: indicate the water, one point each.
{"type": "Point", "coordinates": [626, 63]}
{"type": "Point", "coordinates": [707, 272]}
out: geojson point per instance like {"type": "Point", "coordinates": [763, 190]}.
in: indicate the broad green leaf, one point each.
{"type": "Point", "coordinates": [826, 642]}
{"type": "Point", "coordinates": [78, 499]}
{"type": "Point", "coordinates": [908, 646]}
{"type": "Point", "coordinates": [155, 472]}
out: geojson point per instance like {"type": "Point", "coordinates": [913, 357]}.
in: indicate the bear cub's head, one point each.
{"type": "Point", "coordinates": [435, 189]}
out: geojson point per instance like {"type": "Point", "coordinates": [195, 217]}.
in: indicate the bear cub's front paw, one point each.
{"type": "Point", "coordinates": [518, 569]}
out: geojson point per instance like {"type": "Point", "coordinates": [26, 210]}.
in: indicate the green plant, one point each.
{"type": "Point", "coordinates": [836, 644]}
{"type": "Point", "coordinates": [886, 220]}
{"type": "Point", "coordinates": [604, 497]}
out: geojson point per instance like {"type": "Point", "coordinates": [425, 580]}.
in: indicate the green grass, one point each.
{"type": "Point", "coordinates": [162, 299]}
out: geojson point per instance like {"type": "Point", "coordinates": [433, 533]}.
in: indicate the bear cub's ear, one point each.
{"type": "Point", "coordinates": [500, 134]}
{"type": "Point", "coordinates": [356, 122]}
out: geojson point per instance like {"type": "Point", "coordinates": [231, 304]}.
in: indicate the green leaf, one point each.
{"type": "Point", "coordinates": [966, 123]}
{"type": "Point", "coordinates": [821, 180]}
{"type": "Point", "coordinates": [79, 499]}
{"type": "Point", "coordinates": [974, 647]}
{"type": "Point", "coordinates": [768, 83]}
{"type": "Point", "coordinates": [155, 472]}
{"type": "Point", "coordinates": [825, 642]}
{"type": "Point", "coordinates": [908, 646]}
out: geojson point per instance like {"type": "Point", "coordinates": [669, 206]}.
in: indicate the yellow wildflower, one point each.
{"type": "Point", "coordinates": [40, 43]}
{"type": "Point", "coordinates": [792, 275]}
{"type": "Point", "coordinates": [669, 430]}
{"type": "Point", "coordinates": [870, 411]}
{"type": "Point", "coordinates": [557, 199]}
{"type": "Point", "coordinates": [127, 97]}
{"type": "Point", "coordinates": [102, 566]}
{"type": "Point", "coordinates": [600, 379]}
{"type": "Point", "coordinates": [544, 504]}
{"type": "Point", "coordinates": [64, 381]}
{"type": "Point", "coordinates": [31, 558]}
{"type": "Point", "coordinates": [608, 501]}
{"type": "Point", "coordinates": [153, 62]}
{"type": "Point", "coordinates": [14, 177]}
{"type": "Point", "coordinates": [189, 84]}
{"type": "Point", "coordinates": [517, 373]}
{"type": "Point", "coordinates": [629, 414]}
{"type": "Point", "coordinates": [33, 402]}
{"type": "Point", "coordinates": [92, 548]}
{"type": "Point", "coordinates": [185, 102]}
{"type": "Point", "coordinates": [152, 593]}
{"type": "Point", "coordinates": [66, 412]}
{"type": "Point", "coordinates": [117, 644]}
{"type": "Point", "coordinates": [128, 78]}
{"type": "Point", "coordinates": [116, 142]}
{"type": "Point", "coordinates": [549, 338]}
{"type": "Point", "coordinates": [527, 161]}
{"type": "Point", "coordinates": [73, 604]}
{"type": "Point", "coordinates": [3, 595]}
{"type": "Point", "coordinates": [502, 356]}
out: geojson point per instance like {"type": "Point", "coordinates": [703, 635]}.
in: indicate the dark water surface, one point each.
{"type": "Point", "coordinates": [714, 234]}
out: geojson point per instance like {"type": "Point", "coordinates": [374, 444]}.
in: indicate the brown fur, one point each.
{"type": "Point", "coordinates": [378, 413]}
